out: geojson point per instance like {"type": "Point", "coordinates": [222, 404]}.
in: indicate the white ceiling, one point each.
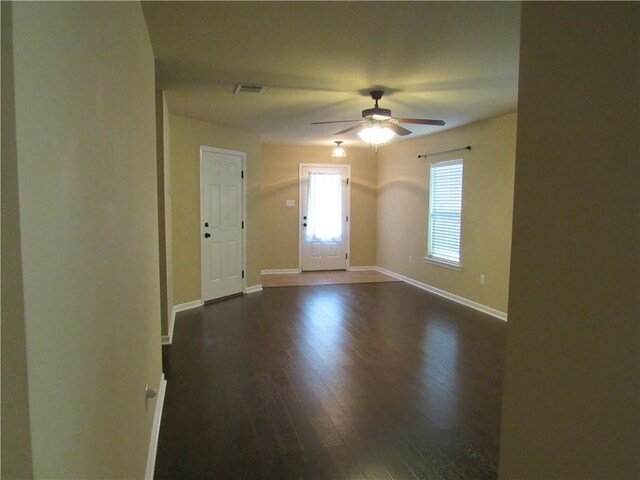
{"type": "Point", "coordinates": [455, 61]}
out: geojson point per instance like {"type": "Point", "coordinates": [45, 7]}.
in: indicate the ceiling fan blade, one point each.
{"type": "Point", "coordinates": [347, 130]}
{"type": "Point", "coordinates": [335, 121]}
{"type": "Point", "coordinates": [398, 129]}
{"type": "Point", "coordinates": [421, 121]}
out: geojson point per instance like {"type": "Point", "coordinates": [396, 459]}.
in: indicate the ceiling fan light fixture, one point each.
{"type": "Point", "coordinates": [376, 134]}
{"type": "Point", "coordinates": [377, 113]}
{"type": "Point", "coordinates": [378, 126]}
{"type": "Point", "coordinates": [338, 151]}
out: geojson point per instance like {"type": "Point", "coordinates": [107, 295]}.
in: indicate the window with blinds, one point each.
{"type": "Point", "coordinates": [445, 212]}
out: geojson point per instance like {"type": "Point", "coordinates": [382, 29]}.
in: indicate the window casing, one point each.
{"type": "Point", "coordinates": [445, 213]}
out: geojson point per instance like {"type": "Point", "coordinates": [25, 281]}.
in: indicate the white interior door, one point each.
{"type": "Point", "coordinates": [222, 222]}
{"type": "Point", "coordinates": [324, 211]}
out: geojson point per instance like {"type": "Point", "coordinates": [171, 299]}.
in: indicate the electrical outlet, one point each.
{"type": "Point", "coordinates": [482, 279]}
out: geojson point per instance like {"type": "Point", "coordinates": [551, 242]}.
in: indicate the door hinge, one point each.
{"type": "Point", "coordinates": [242, 273]}
{"type": "Point", "coordinates": [346, 255]}
{"type": "Point", "coordinates": [347, 181]}
{"type": "Point", "coordinates": [347, 218]}
{"type": "Point", "coordinates": [243, 224]}
{"type": "Point", "coordinates": [242, 174]}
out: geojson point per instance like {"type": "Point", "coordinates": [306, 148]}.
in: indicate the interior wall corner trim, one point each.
{"type": "Point", "coordinates": [449, 296]}
{"type": "Point", "coordinates": [168, 339]}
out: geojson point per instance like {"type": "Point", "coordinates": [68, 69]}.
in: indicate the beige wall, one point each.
{"type": "Point", "coordinates": [16, 430]}
{"type": "Point", "coordinates": [186, 137]}
{"type": "Point", "coordinates": [280, 183]}
{"type": "Point", "coordinates": [571, 401]}
{"type": "Point", "coordinates": [85, 137]}
{"type": "Point", "coordinates": [403, 183]}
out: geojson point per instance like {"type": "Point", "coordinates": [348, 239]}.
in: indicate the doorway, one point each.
{"type": "Point", "coordinates": [324, 216]}
{"type": "Point", "coordinates": [222, 222]}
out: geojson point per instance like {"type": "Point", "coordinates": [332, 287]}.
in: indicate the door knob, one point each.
{"type": "Point", "coordinates": [206, 224]}
{"type": "Point", "coordinates": [304, 224]}
{"type": "Point", "coordinates": [207, 235]}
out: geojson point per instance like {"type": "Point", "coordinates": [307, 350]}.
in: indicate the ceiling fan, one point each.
{"type": "Point", "coordinates": [380, 118]}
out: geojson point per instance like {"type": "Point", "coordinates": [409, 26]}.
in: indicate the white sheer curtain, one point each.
{"type": "Point", "coordinates": [324, 212]}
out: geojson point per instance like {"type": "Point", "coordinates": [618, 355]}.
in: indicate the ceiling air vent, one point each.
{"type": "Point", "coordinates": [243, 88]}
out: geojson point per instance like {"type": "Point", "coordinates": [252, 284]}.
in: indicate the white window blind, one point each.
{"type": "Point", "coordinates": [445, 211]}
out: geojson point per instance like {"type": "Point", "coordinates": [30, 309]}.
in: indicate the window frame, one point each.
{"type": "Point", "coordinates": [430, 258]}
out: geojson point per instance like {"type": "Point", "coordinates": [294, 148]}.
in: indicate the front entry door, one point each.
{"type": "Point", "coordinates": [221, 222]}
{"type": "Point", "coordinates": [324, 204]}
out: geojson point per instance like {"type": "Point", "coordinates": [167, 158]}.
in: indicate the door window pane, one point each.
{"type": "Point", "coordinates": [324, 214]}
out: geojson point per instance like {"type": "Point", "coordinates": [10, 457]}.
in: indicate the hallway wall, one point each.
{"type": "Point", "coordinates": [280, 172]}
{"type": "Point", "coordinates": [186, 137]}
{"type": "Point", "coordinates": [88, 237]}
{"type": "Point", "coordinates": [571, 403]}
{"type": "Point", "coordinates": [403, 209]}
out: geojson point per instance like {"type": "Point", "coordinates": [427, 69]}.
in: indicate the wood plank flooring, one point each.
{"type": "Point", "coordinates": [359, 381]}
{"type": "Point", "coordinates": [331, 277]}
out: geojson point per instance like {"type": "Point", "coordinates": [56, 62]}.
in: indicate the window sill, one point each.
{"type": "Point", "coordinates": [443, 263]}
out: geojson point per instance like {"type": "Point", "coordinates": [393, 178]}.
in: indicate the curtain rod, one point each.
{"type": "Point", "coordinates": [468, 147]}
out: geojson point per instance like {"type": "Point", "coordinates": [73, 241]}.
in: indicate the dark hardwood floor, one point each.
{"type": "Point", "coordinates": [362, 381]}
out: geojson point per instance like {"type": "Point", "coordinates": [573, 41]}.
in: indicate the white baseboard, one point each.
{"type": "Point", "coordinates": [187, 306]}
{"type": "Point", "coordinates": [155, 429]}
{"type": "Point", "coordinates": [277, 271]}
{"type": "Point", "coordinates": [253, 288]}
{"type": "Point", "coordinates": [167, 339]}
{"type": "Point", "coordinates": [449, 296]}
{"type": "Point", "coordinates": [362, 269]}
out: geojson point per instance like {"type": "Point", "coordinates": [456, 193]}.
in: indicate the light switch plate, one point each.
{"type": "Point", "coordinates": [290, 203]}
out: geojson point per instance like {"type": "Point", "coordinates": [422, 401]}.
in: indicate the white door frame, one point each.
{"type": "Point", "coordinates": [347, 237]}
{"type": "Point", "coordinates": [243, 155]}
